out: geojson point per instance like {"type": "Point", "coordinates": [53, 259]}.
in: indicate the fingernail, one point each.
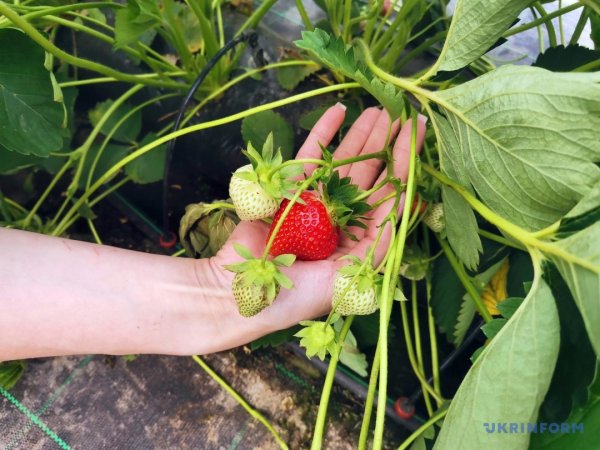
{"type": "Point", "coordinates": [423, 119]}
{"type": "Point", "coordinates": [340, 105]}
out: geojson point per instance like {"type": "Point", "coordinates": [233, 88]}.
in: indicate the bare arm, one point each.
{"type": "Point", "coordinates": [61, 297]}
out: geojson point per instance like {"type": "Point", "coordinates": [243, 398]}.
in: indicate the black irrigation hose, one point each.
{"type": "Point", "coordinates": [168, 238]}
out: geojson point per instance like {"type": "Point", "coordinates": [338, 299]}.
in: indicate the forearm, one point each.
{"type": "Point", "coordinates": [60, 297]}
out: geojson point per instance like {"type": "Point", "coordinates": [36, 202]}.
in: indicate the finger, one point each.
{"type": "Point", "coordinates": [401, 156]}
{"type": "Point", "coordinates": [356, 137]}
{"type": "Point", "coordinates": [322, 133]}
{"type": "Point", "coordinates": [400, 170]}
{"type": "Point", "coordinates": [365, 173]}
{"type": "Point", "coordinates": [377, 217]}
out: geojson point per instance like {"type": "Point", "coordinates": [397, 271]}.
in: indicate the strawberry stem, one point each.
{"type": "Point", "coordinates": [322, 414]}
{"type": "Point", "coordinates": [365, 194]}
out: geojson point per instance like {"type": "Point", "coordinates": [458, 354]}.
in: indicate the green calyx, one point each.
{"type": "Point", "coordinates": [340, 197]}
{"type": "Point", "coordinates": [258, 272]}
{"type": "Point", "coordinates": [317, 337]}
{"type": "Point", "coordinates": [268, 171]}
{"type": "Point", "coordinates": [364, 276]}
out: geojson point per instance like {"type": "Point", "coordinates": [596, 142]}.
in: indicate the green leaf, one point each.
{"type": "Point", "coordinates": [520, 271]}
{"type": "Point", "coordinates": [493, 327]}
{"type": "Point", "coordinates": [467, 309]}
{"type": "Point", "coordinates": [291, 76]}
{"type": "Point", "coordinates": [111, 155]}
{"type": "Point", "coordinates": [508, 381]}
{"type": "Point", "coordinates": [333, 53]}
{"type": "Point", "coordinates": [584, 214]}
{"type": "Point", "coordinates": [446, 296]}
{"type": "Point", "coordinates": [595, 33]}
{"type": "Point", "coordinates": [11, 162]}
{"type": "Point", "coordinates": [150, 167]}
{"type": "Point", "coordinates": [509, 306]}
{"type": "Point", "coordinates": [256, 128]}
{"type": "Point", "coordinates": [350, 355]}
{"type": "Point", "coordinates": [461, 228]}
{"type": "Point", "coordinates": [584, 426]}
{"type": "Point", "coordinates": [128, 131]}
{"type": "Point", "coordinates": [285, 260]}
{"type": "Point", "coordinates": [31, 122]}
{"type": "Point", "coordinates": [137, 18]}
{"type": "Point", "coordinates": [566, 59]}
{"type": "Point", "coordinates": [568, 389]}
{"type": "Point", "coordinates": [476, 25]}
{"type": "Point", "coordinates": [243, 251]}
{"type": "Point", "coordinates": [579, 265]}
{"type": "Point", "coordinates": [528, 162]}
{"type": "Point", "coordinates": [463, 319]}
{"type": "Point", "coordinates": [10, 372]}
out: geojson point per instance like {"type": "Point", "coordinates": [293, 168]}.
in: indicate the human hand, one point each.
{"type": "Point", "coordinates": [313, 280]}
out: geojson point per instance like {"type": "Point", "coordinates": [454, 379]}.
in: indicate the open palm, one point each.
{"type": "Point", "coordinates": [313, 279]}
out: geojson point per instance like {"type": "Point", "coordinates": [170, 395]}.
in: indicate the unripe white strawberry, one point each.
{"type": "Point", "coordinates": [434, 218]}
{"type": "Point", "coordinates": [257, 282]}
{"type": "Point", "coordinates": [251, 201]}
{"type": "Point", "coordinates": [351, 299]}
{"type": "Point", "coordinates": [250, 298]}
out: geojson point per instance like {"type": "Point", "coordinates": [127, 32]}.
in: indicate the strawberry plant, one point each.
{"type": "Point", "coordinates": [496, 221]}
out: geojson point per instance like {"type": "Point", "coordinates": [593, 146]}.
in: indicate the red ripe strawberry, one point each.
{"type": "Point", "coordinates": [308, 231]}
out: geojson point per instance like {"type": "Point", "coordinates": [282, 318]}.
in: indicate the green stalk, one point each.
{"type": "Point", "coordinates": [47, 191]}
{"type": "Point", "coordinates": [465, 280]}
{"type": "Point", "coordinates": [527, 238]}
{"type": "Point", "coordinates": [213, 123]}
{"type": "Point", "coordinates": [176, 37]}
{"type": "Point", "coordinates": [346, 29]}
{"type": "Point", "coordinates": [539, 32]}
{"type": "Point", "coordinates": [253, 412]}
{"type": "Point", "coordinates": [419, 431]}
{"type": "Point", "coordinates": [94, 134]}
{"type": "Point", "coordinates": [435, 367]}
{"type": "Point", "coordinates": [375, 6]}
{"type": "Point", "coordinates": [80, 62]}
{"type": "Point", "coordinates": [317, 442]}
{"type": "Point", "coordinates": [41, 12]}
{"type": "Point", "coordinates": [160, 59]}
{"type": "Point", "coordinates": [115, 128]}
{"type": "Point", "coordinates": [389, 287]}
{"type": "Point", "coordinates": [75, 83]}
{"type": "Point", "coordinates": [588, 67]}
{"type": "Point", "coordinates": [100, 36]}
{"type": "Point", "coordinates": [94, 232]}
{"type": "Point", "coordinates": [560, 25]}
{"type": "Point", "coordinates": [548, 22]}
{"type": "Point", "coordinates": [499, 239]}
{"type": "Point", "coordinates": [94, 201]}
{"type": "Point", "coordinates": [233, 82]}
{"type": "Point", "coordinates": [417, 339]}
{"type": "Point", "coordinates": [364, 427]}
{"type": "Point", "coordinates": [304, 15]}
{"type": "Point", "coordinates": [583, 18]}
{"type": "Point", "coordinates": [541, 20]}
{"type": "Point", "coordinates": [411, 355]}
{"type": "Point", "coordinates": [256, 16]}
